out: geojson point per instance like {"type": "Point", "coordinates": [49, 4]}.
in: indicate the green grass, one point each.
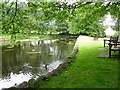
{"type": "Point", "coordinates": [86, 70]}
{"type": "Point", "coordinates": [31, 37]}
{"type": "Point", "coordinates": [45, 37]}
{"type": "Point", "coordinates": [6, 38]}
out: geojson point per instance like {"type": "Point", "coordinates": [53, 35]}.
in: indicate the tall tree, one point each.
{"type": "Point", "coordinates": [78, 17]}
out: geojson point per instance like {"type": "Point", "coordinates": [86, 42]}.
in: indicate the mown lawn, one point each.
{"type": "Point", "coordinates": [86, 70]}
{"type": "Point", "coordinates": [6, 39]}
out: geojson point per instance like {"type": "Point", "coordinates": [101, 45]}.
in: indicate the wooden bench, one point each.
{"type": "Point", "coordinates": [110, 40]}
{"type": "Point", "coordinates": [114, 47]}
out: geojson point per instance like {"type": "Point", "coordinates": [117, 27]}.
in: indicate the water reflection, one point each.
{"type": "Point", "coordinates": [31, 59]}
{"type": "Point", "coordinates": [15, 79]}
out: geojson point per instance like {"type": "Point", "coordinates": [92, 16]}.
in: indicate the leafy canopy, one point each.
{"type": "Point", "coordinates": [20, 19]}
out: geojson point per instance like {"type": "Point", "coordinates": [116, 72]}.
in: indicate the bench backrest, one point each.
{"type": "Point", "coordinates": [114, 39]}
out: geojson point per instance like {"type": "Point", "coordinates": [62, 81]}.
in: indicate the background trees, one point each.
{"type": "Point", "coordinates": [20, 19]}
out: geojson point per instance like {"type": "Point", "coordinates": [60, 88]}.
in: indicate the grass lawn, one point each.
{"type": "Point", "coordinates": [5, 39]}
{"type": "Point", "coordinates": [86, 70]}
{"type": "Point", "coordinates": [32, 37]}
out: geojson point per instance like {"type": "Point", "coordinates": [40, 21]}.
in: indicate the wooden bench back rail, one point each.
{"type": "Point", "coordinates": [114, 39]}
{"type": "Point", "coordinates": [110, 40]}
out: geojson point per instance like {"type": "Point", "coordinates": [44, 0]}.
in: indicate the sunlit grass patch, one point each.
{"type": "Point", "coordinates": [87, 70]}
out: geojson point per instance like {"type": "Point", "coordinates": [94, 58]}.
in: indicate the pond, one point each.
{"type": "Point", "coordinates": [31, 59]}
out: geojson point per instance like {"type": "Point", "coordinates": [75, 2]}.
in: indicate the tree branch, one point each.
{"type": "Point", "coordinates": [10, 7]}
{"type": "Point", "coordinates": [79, 4]}
{"type": "Point", "coordinates": [14, 14]}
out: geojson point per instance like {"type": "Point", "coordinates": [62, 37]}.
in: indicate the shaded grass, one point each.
{"type": "Point", "coordinates": [86, 70]}
{"type": "Point", "coordinates": [32, 37]}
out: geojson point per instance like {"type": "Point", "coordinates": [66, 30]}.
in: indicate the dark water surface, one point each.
{"type": "Point", "coordinates": [32, 59]}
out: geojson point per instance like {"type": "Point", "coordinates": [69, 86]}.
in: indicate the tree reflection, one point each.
{"type": "Point", "coordinates": [34, 58]}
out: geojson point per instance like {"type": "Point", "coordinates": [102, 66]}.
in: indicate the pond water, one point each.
{"type": "Point", "coordinates": [32, 59]}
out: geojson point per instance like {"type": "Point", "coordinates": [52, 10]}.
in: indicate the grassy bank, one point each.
{"type": "Point", "coordinates": [86, 70]}
{"type": "Point", "coordinates": [33, 36]}
{"type": "Point", "coordinates": [6, 39]}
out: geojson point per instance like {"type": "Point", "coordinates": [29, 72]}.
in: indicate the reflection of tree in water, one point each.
{"type": "Point", "coordinates": [32, 57]}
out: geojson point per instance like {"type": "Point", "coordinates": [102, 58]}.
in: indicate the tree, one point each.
{"type": "Point", "coordinates": [77, 18]}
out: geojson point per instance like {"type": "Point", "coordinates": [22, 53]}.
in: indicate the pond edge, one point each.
{"type": "Point", "coordinates": [55, 72]}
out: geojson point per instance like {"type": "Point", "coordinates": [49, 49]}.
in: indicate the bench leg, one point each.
{"type": "Point", "coordinates": [104, 43]}
{"type": "Point", "coordinates": [110, 52]}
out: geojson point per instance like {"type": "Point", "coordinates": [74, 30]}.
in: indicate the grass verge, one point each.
{"type": "Point", "coordinates": [86, 70]}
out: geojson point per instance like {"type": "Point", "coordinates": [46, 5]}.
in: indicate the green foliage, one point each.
{"type": "Point", "coordinates": [62, 28]}
{"type": "Point", "coordinates": [37, 17]}
{"type": "Point", "coordinates": [117, 25]}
